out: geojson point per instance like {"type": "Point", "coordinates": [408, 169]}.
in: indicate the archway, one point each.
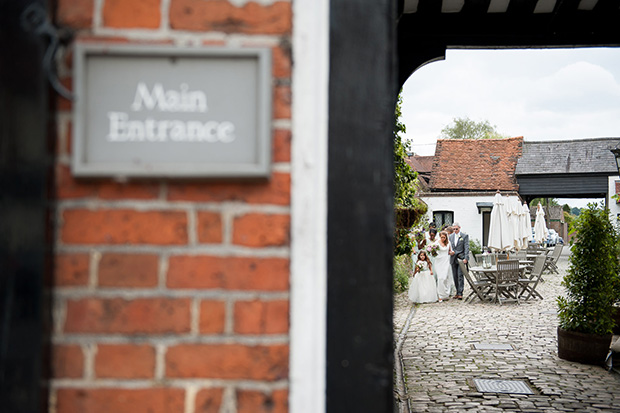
{"type": "Point", "coordinates": [359, 331]}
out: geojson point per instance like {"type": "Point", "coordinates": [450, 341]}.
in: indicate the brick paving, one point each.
{"type": "Point", "coordinates": [440, 363]}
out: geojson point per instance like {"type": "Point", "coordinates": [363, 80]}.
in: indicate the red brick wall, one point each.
{"type": "Point", "coordinates": [170, 295]}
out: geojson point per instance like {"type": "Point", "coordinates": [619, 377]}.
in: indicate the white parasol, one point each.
{"type": "Point", "coordinates": [540, 227]}
{"type": "Point", "coordinates": [514, 217]}
{"type": "Point", "coordinates": [500, 230]}
{"type": "Point", "coordinates": [526, 224]}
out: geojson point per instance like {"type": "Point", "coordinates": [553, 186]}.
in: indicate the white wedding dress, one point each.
{"type": "Point", "coordinates": [423, 288]}
{"type": "Point", "coordinates": [443, 269]}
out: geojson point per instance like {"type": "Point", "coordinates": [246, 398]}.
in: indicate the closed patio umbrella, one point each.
{"type": "Point", "coordinates": [500, 230]}
{"type": "Point", "coordinates": [540, 227]}
{"type": "Point", "coordinates": [526, 223]}
{"type": "Point", "coordinates": [514, 217]}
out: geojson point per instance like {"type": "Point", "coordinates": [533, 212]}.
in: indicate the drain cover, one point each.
{"type": "Point", "coordinates": [502, 386]}
{"type": "Point", "coordinates": [489, 346]}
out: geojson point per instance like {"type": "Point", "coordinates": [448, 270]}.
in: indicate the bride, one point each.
{"type": "Point", "coordinates": [443, 269]}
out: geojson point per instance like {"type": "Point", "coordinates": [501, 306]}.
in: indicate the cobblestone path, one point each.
{"type": "Point", "coordinates": [439, 360]}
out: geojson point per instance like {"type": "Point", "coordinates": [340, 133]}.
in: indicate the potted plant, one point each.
{"type": "Point", "coordinates": [585, 329]}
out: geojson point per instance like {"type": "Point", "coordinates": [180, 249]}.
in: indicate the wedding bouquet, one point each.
{"type": "Point", "coordinates": [419, 267]}
{"type": "Point", "coordinates": [418, 235]}
{"type": "Point", "coordinates": [432, 250]}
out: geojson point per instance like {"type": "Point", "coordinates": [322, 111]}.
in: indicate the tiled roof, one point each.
{"type": "Point", "coordinates": [575, 156]}
{"type": "Point", "coordinates": [476, 165]}
{"type": "Point", "coordinates": [421, 164]}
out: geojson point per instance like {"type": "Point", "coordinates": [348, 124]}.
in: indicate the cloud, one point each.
{"type": "Point", "coordinates": [538, 94]}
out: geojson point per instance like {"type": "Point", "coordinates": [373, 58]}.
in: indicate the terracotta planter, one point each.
{"type": "Point", "coordinates": [583, 348]}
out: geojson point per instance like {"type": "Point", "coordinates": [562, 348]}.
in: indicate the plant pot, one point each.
{"type": "Point", "coordinates": [583, 348]}
{"type": "Point", "coordinates": [615, 314]}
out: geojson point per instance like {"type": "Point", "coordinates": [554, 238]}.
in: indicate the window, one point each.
{"type": "Point", "coordinates": [442, 218]}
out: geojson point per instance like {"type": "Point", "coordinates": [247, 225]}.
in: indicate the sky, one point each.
{"type": "Point", "coordinates": [540, 94]}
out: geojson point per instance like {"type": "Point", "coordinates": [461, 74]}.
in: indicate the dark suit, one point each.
{"type": "Point", "coordinates": [460, 246]}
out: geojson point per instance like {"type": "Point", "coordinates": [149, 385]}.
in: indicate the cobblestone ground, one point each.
{"type": "Point", "coordinates": [440, 363]}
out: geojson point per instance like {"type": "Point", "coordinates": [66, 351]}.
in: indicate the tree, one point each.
{"type": "Point", "coordinates": [544, 202]}
{"type": "Point", "coordinates": [465, 128]}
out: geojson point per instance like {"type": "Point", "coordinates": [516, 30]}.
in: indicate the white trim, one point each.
{"type": "Point", "coordinates": [309, 205]}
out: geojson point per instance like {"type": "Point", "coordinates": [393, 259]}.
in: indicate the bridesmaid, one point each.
{"type": "Point", "coordinates": [423, 288]}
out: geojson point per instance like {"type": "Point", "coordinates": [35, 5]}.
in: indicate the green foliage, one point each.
{"type": "Point", "coordinates": [406, 182]}
{"type": "Point", "coordinates": [475, 246]}
{"type": "Point", "coordinates": [569, 219]}
{"type": "Point", "coordinates": [566, 208]}
{"type": "Point", "coordinates": [544, 202]}
{"type": "Point", "coordinates": [575, 211]}
{"type": "Point", "coordinates": [592, 277]}
{"type": "Point", "coordinates": [465, 128]}
{"type": "Point", "coordinates": [406, 185]}
{"type": "Point", "coordinates": [402, 271]}
{"type": "Point", "coordinates": [403, 245]}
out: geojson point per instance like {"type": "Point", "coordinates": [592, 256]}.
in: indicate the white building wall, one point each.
{"type": "Point", "coordinates": [464, 209]}
{"type": "Point", "coordinates": [614, 207]}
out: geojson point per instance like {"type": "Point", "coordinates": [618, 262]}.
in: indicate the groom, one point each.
{"type": "Point", "coordinates": [459, 241]}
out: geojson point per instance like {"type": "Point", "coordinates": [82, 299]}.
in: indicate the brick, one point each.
{"type": "Point", "coordinates": [282, 145]}
{"type": "Point", "coordinates": [252, 401]}
{"type": "Point", "coordinates": [108, 400]}
{"type": "Point", "coordinates": [71, 270]}
{"type": "Point", "coordinates": [64, 104]}
{"type": "Point", "coordinates": [145, 14]}
{"type": "Point", "coordinates": [67, 188]}
{"type": "Point", "coordinates": [128, 270]}
{"type": "Point", "coordinates": [221, 16]}
{"type": "Point", "coordinates": [276, 190]}
{"type": "Point", "coordinates": [261, 317]}
{"type": "Point", "coordinates": [119, 316]}
{"type": "Point", "coordinates": [229, 273]}
{"type": "Point", "coordinates": [282, 102]}
{"type": "Point", "coordinates": [67, 361]}
{"type": "Point", "coordinates": [209, 227]}
{"type": "Point", "coordinates": [212, 317]}
{"type": "Point", "coordinates": [78, 14]}
{"type": "Point", "coordinates": [228, 361]}
{"type": "Point", "coordinates": [262, 230]}
{"type": "Point", "coordinates": [281, 57]}
{"type": "Point", "coordinates": [125, 361]}
{"type": "Point", "coordinates": [124, 226]}
{"type": "Point", "coordinates": [66, 148]}
{"type": "Point", "coordinates": [208, 401]}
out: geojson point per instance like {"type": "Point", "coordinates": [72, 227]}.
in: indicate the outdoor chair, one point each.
{"type": "Point", "coordinates": [528, 285]}
{"type": "Point", "coordinates": [537, 248]}
{"type": "Point", "coordinates": [507, 281]}
{"type": "Point", "coordinates": [502, 256]}
{"type": "Point", "coordinates": [552, 259]}
{"type": "Point", "coordinates": [533, 246]}
{"type": "Point", "coordinates": [521, 255]}
{"type": "Point", "coordinates": [472, 259]}
{"type": "Point", "coordinates": [479, 288]}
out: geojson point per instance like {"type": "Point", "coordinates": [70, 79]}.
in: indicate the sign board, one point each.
{"type": "Point", "coordinates": [165, 111]}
